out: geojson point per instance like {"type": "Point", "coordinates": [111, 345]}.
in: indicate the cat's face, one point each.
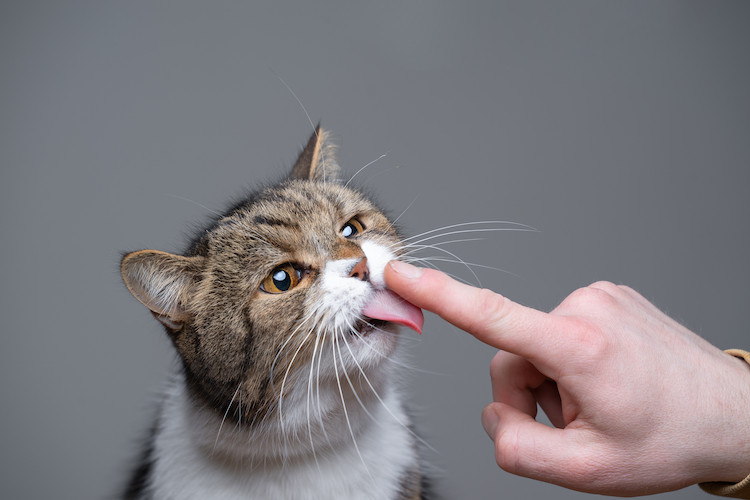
{"type": "Point", "coordinates": [279, 291]}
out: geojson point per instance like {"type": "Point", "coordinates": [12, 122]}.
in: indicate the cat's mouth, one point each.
{"type": "Point", "coordinates": [367, 325]}
{"type": "Point", "coordinates": [387, 307]}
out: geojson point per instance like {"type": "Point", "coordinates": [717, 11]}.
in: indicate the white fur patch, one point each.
{"type": "Point", "coordinates": [340, 433]}
{"type": "Point", "coordinates": [185, 468]}
{"type": "Point", "coordinates": [377, 257]}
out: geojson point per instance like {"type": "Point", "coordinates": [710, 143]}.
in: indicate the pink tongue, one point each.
{"type": "Point", "coordinates": [388, 306]}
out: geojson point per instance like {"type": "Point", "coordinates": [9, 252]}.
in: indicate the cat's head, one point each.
{"type": "Point", "coordinates": [285, 287]}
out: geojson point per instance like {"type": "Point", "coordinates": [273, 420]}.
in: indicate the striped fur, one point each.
{"type": "Point", "coordinates": [280, 389]}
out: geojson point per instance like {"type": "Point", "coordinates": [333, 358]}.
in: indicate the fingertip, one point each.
{"type": "Point", "coordinates": [404, 270]}
{"type": "Point", "coordinates": [415, 284]}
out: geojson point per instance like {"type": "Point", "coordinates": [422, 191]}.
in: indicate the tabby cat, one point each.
{"type": "Point", "coordinates": [285, 333]}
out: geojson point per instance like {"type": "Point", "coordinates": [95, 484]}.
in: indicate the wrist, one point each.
{"type": "Point", "coordinates": [734, 478]}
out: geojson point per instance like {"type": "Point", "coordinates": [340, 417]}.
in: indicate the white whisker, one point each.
{"type": "Point", "coordinates": [366, 181]}
{"type": "Point", "coordinates": [478, 230]}
{"type": "Point", "coordinates": [317, 389]}
{"type": "Point", "coordinates": [214, 212]}
{"type": "Point", "coordinates": [288, 339]}
{"type": "Point", "coordinates": [479, 282]}
{"type": "Point", "coordinates": [286, 374]}
{"type": "Point", "coordinates": [433, 266]}
{"type": "Point", "coordinates": [393, 222]}
{"type": "Point", "coordinates": [415, 247]}
{"type": "Point", "coordinates": [361, 169]}
{"type": "Point", "coordinates": [307, 401]}
{"type": "Point", "coordinates": [346, 375]}
{"type": "Point", "coordinates": [315, 131]}
{"type": "Point", "coordinates": [221, 425]}
{"type": "Point", "coordinates": [343, 405]}
{"type": "Point", "coordinates": [375, 393]}
{"type": "Point", "coordinates": [519, 227]}
{"type": "Point", "coordinates": [472, 264]}
{"type": "Point", "coordinates": [384, 356]}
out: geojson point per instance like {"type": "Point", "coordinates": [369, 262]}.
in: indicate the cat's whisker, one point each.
{"type": "Point", "coordinates": [367, 180]}
{"type": "Point", "coordinates": [408, 243]}
{"type": "Point", "coordinates": [307, 401]}
{"type": "Point", "coordinates": [178, 197]}
{"type": "Point", "coordinates": [346, 375]}
{"type": "Point", "coordinates": [286, 374]}
{"type": "Point", "coordinates": [476, 277]}
{"type": "Point", "coordinates": [377, 396]}
{"type": "Point", "coordinates": [425, 263]}
{"type": "Point", "coordinates": [343, 405]}
{"type": "Point", "coordinates": [478, 230]}
{"type": "Point", "coordinates": [383, 355]}
{"type": "Point", "coordinates": [239, 410]}
{"type": "Point", "coordinates": [317, 388]}
{"type": "Point", "coordinates": [283, 346]}
{"type": "Point", "coordinates": [403, 250]}
{"type": "Point", "coordinates": [393, 222]}
{"type": "Point", "coordinates": [315, 130]}
{"type": "Point", "coordinates": [361, 169]}
{"type": "Point", "coordinates": [516, 226]}
{"type": "Point", "coordinates": [414, 247]}
{"type": "Point", "coordinates": [229, 406]}
{"type": "Point", "coordinates": [472, 264]}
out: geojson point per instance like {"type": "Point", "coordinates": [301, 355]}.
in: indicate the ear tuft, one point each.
{"type": "Point", "coordinates": [162, 282]}
{"type": "Point", "coordinates": [317, 161]}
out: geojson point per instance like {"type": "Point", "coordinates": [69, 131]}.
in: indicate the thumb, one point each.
{"type": "Point", "coordinates": [490, 317]}
{"type": "Point", "coordinates": [530, 449]}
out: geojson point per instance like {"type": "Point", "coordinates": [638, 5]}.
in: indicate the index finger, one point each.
{"type": "Point", "coordinates": [490, 317]}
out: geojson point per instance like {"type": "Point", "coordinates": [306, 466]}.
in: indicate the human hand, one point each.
{"type": "Point", "coordinates": [640, 404]}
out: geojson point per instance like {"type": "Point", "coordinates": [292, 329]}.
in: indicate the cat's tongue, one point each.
{"type": "Point", "coordinates": [387, 306]}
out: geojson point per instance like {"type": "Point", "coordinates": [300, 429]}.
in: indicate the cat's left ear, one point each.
{"type": "Point", "coordinates": [317, 161]}
{"type": "Point", "coordinates": [163, 282]}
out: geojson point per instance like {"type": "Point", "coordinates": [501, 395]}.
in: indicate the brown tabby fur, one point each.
{"type": "Point", "coordinates": [227, 331]}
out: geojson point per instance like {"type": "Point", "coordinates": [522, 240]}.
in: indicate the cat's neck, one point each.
{"type": "Point", "coordinates": [359, 453]}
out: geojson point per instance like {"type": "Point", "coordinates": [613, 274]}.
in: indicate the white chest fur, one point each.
{"type": "Point", "coordinates": [185, 468]}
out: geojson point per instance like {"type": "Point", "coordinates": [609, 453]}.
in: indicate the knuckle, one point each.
{"type": "Point", "coordinates": [493, 308]}
{"type": "Point", "coordinates": [590, 340]}
{"type": "Point", "coordinates": [591, 298]}
{"type": "Point", "coordinates": [500, 362]}
{"type": "Point", "coordinates": [606, 286]}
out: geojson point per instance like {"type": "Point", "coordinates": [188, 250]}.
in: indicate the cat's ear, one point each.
{"type": "Point", "coordinates": [317, 161]}
{"type": "Point", "coordinates": [162, 282]}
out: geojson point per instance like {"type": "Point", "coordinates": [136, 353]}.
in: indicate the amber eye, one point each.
{"type": "Point", "coordinates": [282, 279]}
{"type": "Point", "coordinates": [352, 228]}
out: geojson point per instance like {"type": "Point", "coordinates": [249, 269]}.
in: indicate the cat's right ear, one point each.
{"type": "Point", "coordinates": [163, 282]}
{"type": "Point", "coordinates": [317, 161]}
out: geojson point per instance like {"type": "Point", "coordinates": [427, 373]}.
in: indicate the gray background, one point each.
{"type": "Point", "coordinates": [619, 130]}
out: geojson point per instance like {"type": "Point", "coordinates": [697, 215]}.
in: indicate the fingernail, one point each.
{"type": "Point", "coordinates": [406, 270]}
{"type": "Point", "coordinates": [490, 419]}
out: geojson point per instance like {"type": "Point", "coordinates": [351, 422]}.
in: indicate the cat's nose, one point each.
{"type": "Point", "coordinates": [360, 270]}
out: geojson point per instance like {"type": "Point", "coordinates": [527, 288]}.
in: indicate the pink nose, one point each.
{"type": "Point", "coordinates": [360, 270]}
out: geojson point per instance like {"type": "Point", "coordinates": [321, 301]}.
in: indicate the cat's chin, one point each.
{"type": "Point", "coordinates": [369, 344]}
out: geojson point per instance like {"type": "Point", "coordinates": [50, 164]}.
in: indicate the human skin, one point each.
{"type": "Point", "coordinates": [640, 404]}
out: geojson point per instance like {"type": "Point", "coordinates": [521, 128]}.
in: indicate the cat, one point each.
{"type": "Point", "coordinates": [285, 332]}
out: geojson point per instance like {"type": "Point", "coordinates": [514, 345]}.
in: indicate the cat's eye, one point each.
{"type": "Point", "coordinates": [352, 228]}
{"type": "Point", "coordinates": [282, 279]}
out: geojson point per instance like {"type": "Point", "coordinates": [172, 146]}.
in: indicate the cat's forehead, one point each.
{"type": "Point", "coordinates": [315, 197]}
{"type": "Point", "coordinates": [304, 202]}
{"type": "Point", "coordinates": [291, 214]}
